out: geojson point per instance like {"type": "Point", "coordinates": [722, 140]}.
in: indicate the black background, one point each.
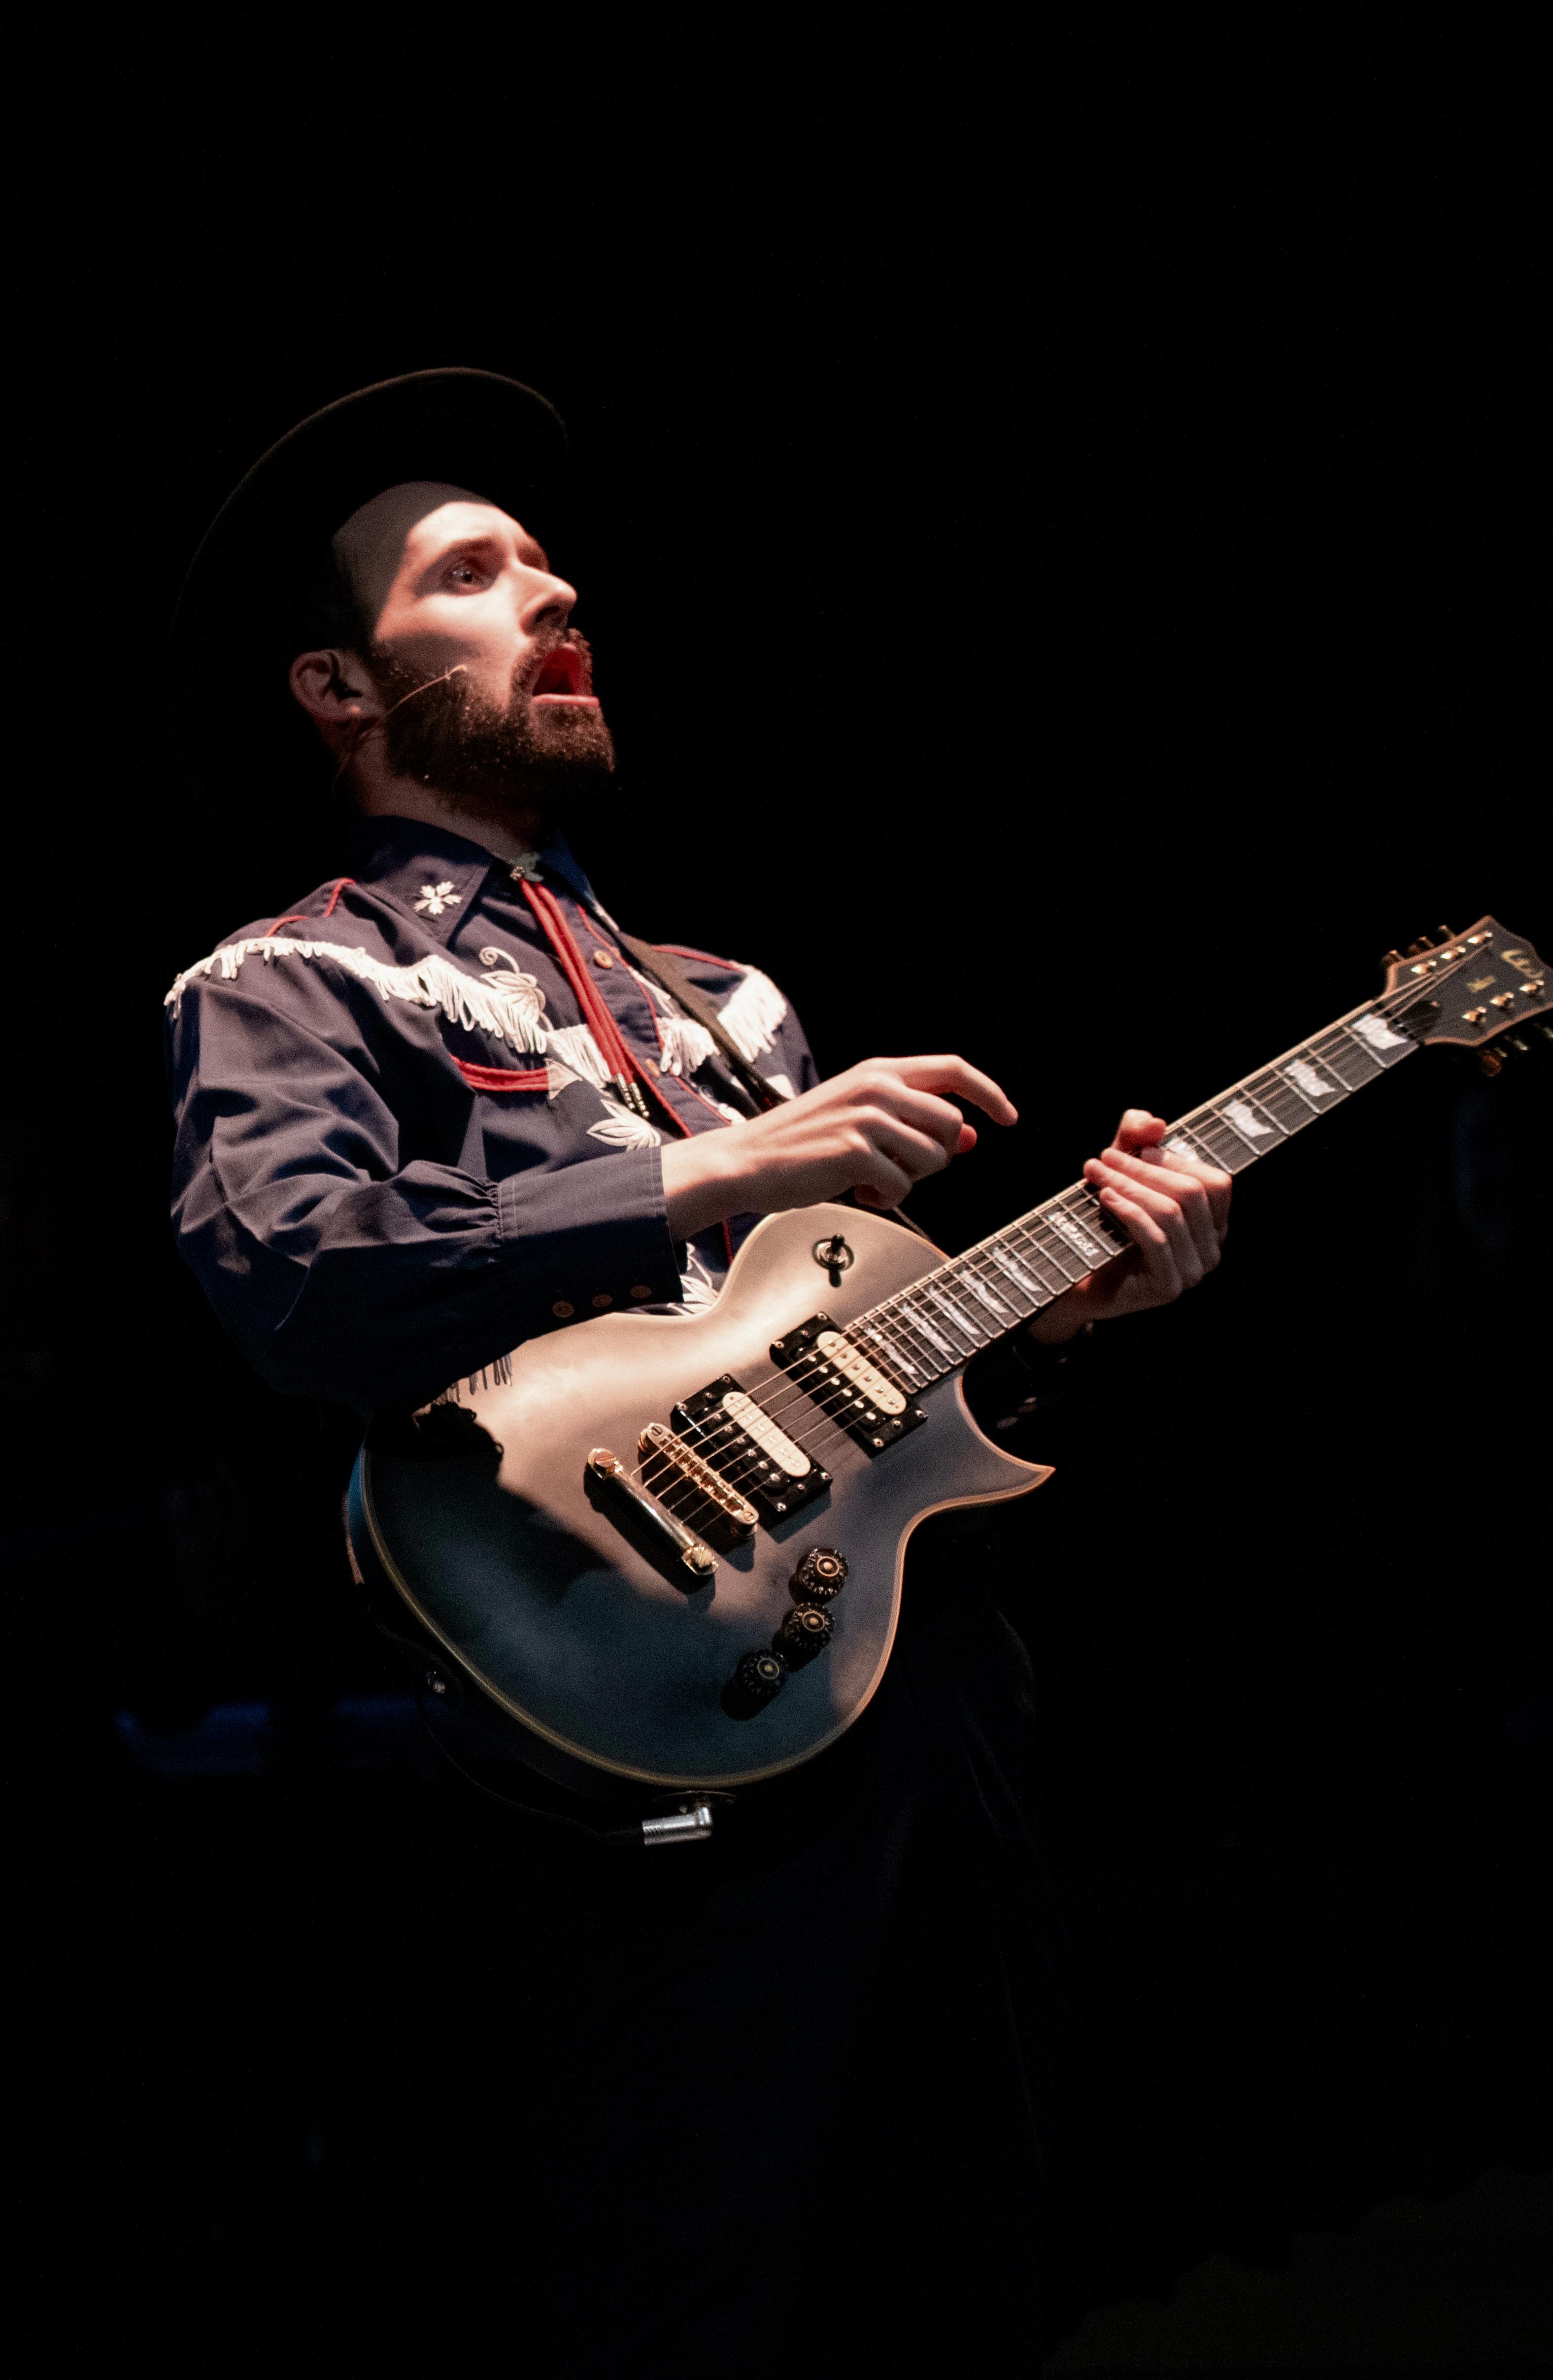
{"type": "Point", "coordinates": [1056, 538]}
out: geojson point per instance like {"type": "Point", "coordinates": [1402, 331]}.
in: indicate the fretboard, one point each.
{"type": "Point", "coordinates": [939, 1322]}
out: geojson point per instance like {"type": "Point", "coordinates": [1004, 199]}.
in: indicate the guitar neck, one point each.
{"type": "Point", "coordinates": [939, 1322]}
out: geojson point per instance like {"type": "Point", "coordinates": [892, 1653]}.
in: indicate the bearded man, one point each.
{"type": "Point", "coordinates": [788, 2090]}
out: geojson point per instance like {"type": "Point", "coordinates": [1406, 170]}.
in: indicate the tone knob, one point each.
{"type": "Point", "coordinates": [759, 1678]}
{"type": "Point", "coordinates": [821, 1575]}
{"type": "Point", "coordinates": [804, 1632]}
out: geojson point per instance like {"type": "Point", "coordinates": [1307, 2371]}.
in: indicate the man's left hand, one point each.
{"type": "Point", "coordinates": [1174, 1210]}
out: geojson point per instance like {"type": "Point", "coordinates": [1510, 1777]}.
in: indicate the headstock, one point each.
{"type": "Point", "coordinates": [1483, 989]}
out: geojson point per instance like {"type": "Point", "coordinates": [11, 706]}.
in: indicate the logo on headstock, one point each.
{"type": "Point", "coordinates": [1480, 982]}
{"type": "Point", "coordinates": [1525, 961]}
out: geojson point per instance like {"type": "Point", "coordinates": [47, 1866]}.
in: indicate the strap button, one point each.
{"type": "Point", "coordinates": [602, 959]}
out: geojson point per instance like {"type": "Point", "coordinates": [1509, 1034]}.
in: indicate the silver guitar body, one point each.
{"type": "Point", "coordinates": [534, 1588]}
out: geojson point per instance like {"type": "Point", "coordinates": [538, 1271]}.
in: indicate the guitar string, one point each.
{"type": "Point", "coordinates": [967, 1320]}
{"type": "Point", "coordinates": [1322, 1045]}
{"type": "Point", "coordinates": [1262, 1088]}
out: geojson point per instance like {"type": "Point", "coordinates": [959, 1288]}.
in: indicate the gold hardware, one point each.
{"type": "Point", "coordinates": [1502, 1000]}
{"type": "Point", "coordinates": [691, 1466]}
{"type": "Point", "coordinates": [1475, 1015]}
{"type": "Point", "coordinates": [608, 1470]}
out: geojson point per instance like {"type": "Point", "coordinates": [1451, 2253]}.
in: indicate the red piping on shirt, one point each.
{"type": "Point", "coordinates": [504, 1078]}
{"type": "Point", "coordinates": [301, 918]}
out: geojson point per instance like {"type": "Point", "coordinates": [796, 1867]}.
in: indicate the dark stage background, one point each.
{"type": "Point", "coordinates": [1059, 597]}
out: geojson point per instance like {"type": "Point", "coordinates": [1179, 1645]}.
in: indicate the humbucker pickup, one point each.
{"type": "Point", "coordinates": [747, 1447]}
{"type": "Point", "coordinates": [847, 1385]}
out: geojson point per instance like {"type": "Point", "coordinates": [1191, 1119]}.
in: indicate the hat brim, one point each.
{"type": "Point", "coordinates": [234, 634]}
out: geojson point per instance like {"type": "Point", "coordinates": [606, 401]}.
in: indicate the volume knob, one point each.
{"type": "Point", "coordinates": [805, 1632]}
{"type": "Point", "coordinates": [821, 1575]}
{"type": "Point", "coordinates": [759, 1679]}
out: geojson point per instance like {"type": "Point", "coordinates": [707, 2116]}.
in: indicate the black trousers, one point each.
{"type": "Point", "coordinates": [790, 2084]}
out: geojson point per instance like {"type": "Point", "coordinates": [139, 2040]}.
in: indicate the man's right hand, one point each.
{"type": "Point", "coordinates": [874, 1130]}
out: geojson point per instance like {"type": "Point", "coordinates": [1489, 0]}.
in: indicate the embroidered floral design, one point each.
{"type": "Point", "coordinates": [699, 1290]}
{"type": "Point", "coordinates": [621, 1129]}
{"type": "Point", "coordinates": [511, 982]}
{"type": "Point", "coordinates": [435, 898]}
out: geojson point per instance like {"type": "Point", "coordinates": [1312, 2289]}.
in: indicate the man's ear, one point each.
{"type": "Point", "coordinates": [335, 691]}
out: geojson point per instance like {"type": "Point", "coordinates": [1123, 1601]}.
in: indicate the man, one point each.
{"type": "Point", "coordinates": [436, 1107]}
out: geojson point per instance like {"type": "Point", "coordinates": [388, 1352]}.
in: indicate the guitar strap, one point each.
{"type": "Point", "coordinates": [665, 969]}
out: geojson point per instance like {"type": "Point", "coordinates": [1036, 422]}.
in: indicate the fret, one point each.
{"type": "Point", "coordinates": [885, 1347]}
{"type": "Point", "coordinates": [1094, 1219]}
{"type": "Point", "coordinates": [919, 1322]}
{"type": "Point", "coordinates": [1052, 1276]}
{"type": "Point", "coordinates": [999, 1307]}
{"type": "Point", "coordinates": [1003, 1259]}
{"type": "Point", "coordinates": [1346, 1056]}
{"type": "Point", "coordinates": [1288, 1106]}
{"type": "Point", "coordinates": [924, 1357]}
{"type": "Point", "coordinates": [1056, 1251]}
{"type": "Point", "coordinates": [953, 1312]}
{"type": "Point", "coordinates": [1312, 1081]}
{"type": "Point", "coordinates": [1253, 1120]}
{"type": "Point", "coordinates": [938, 1323]}
{"type": "Point", "coordinates": [1180, 1144]}
{"type": "Point", "coordinates": [1378, 1034]}
{"type": "Point", "coordinates": [1226, 1148]}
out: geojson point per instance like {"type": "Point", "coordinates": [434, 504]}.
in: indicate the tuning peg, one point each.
{"type": "Point", "coordinates": [1490, 1062]}
{"type": "Point", "coordinates": [1422, 943]}
{"type": "Point", "coordinates": [1390, 958]}
{"type": "Point", "coordinates": [1443, 934]}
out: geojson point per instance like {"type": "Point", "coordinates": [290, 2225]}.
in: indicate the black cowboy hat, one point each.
{"type": "Point", "coordinates": [240, 618]}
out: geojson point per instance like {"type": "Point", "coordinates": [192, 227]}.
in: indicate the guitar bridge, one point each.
{"type": "Point", "coordinates": [659, 1446]}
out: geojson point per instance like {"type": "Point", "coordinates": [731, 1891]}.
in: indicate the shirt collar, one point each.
{"type": "Point", "coordinates": [435, 875]}
{"type": "Point", "coordinates": [439, 875]}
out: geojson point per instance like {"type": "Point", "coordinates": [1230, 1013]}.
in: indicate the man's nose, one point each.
{"type": "Point", "coordinates": [547, 605]}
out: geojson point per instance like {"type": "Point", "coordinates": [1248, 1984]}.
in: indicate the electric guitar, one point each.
{"type": "Point", "coordinates": [670, 1548]}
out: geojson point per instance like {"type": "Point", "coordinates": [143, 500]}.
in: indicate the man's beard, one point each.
{"type": "Point", "coordinates": [503, 762]}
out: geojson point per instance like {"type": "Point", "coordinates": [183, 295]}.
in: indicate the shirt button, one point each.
{"type": "Point", "coordinates": [562, 1311]}
{"type": "Point", "coordinates": [603, 1299]}
{"type": "Point", "coordinates": [641, 1290]}
{"type": "Point", "coordinates": [603, 958]}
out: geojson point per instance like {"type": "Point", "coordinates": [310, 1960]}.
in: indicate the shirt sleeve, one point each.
{"type": "Point", "coordinates": [342, 1267]}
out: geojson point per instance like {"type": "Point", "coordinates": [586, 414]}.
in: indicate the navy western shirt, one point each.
{"type": "Point", "coordinates": [398, 1153]}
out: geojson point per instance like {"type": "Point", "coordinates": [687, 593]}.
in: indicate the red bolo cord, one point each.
{"type": "Point", "coordinates": [619, 1060]}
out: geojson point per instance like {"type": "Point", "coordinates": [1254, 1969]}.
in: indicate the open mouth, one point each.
{"type": "Point", "coordinates": [562, 677]}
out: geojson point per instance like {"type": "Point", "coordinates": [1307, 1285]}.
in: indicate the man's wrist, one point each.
{"type": "Point", "coordinates": [699, 1184]}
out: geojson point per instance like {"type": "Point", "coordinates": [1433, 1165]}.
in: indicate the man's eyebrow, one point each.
{"type": "Point", "coordinates": [528, 549]}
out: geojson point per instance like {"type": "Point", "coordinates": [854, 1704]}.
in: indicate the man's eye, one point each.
{"type": "Point", "coordinates": [464, 574]}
